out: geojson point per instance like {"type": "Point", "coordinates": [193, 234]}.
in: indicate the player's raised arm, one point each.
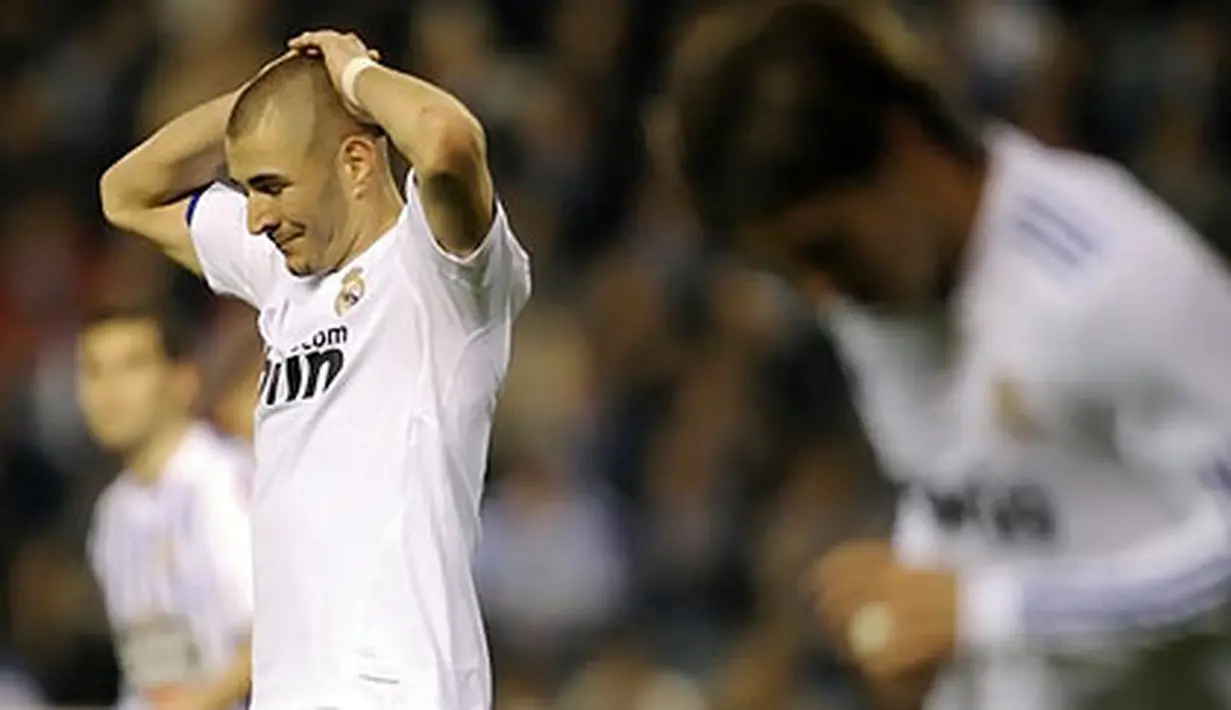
{"type": "Point", "coordinates": [147, 192]}
{"type": "Point", "coordinates": [1161, 344]}
{"type": "Point", "coordinates": [442, 140]}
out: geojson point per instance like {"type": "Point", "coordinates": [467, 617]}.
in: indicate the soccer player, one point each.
{"type": "Point", "coordinates": [170, 539]}
{"type": "Point", "coordinates": [1040, 351]}
{"type": "Point", "coordinates": [387, 321]}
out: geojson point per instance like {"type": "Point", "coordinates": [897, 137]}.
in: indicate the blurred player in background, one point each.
{"type": "Point", "coordinates": [1040, 351]}
{"type": "Point", "coordinates": [232, 368]}
{"type": "Point", "coordinates": [386, 317]}
{"type": "Point", "coordinates": [170, 539]}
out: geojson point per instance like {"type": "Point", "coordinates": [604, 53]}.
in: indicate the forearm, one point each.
{"type": "Point", "coordinates": [1162, 584]}
{"type": "Point", "coordinates": [429, 126]}
{"type": "Point", "coordinates": [232, 685]}
{"type": "Point", "coordinates": [180, 157]}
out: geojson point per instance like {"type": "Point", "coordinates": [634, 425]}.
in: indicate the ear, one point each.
{"type": "Point", "coordinates": [358, 155]}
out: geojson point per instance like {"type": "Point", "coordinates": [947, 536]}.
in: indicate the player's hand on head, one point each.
{"type": "Point", "coordinates": [338, 50]}
{"type": "Point", "coordinates": [896, 624]}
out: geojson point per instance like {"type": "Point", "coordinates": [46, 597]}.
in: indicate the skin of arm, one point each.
{"type": "Point", "coordinates": [147, 191]}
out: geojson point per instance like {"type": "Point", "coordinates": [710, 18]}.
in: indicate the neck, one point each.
{"type": "Point", "coordinates": [148, 461]}
{"type": "Point", "coordinates": [377, 215]}
{"type": "Point", "coordinates": [960, 197]}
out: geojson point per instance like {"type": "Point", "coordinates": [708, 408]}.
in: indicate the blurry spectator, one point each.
{"type": "Point", "coordinates": [551, 569]}
{"type": "Point", "coordinates": [519, 687]}
{"type": "Point", "coordinates": [587, 36]}
{"type": "Point", "coordinates": [83, 77]}
{"type": "Point", "coordinates": [233, 366]}
{"type": "Point", "coordinates": [690, 540]}
{"type": "Point", "coordinates": [210, 47]}
{"type": "Point", "coordinates": [17, 690]}
{"type": "Point", "coordinates": [624, 677]}
{"type": "Point", "coordinates": [58, 626]}
{"type": "Point", "coordinates": [761, 673]}
{"type": "Point", "coordinates": [1172, 160]}
{"type": "Point", "coordinates": [1009, 43]}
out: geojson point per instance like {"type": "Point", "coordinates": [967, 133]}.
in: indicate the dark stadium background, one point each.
{"type": "Point", "coordinates": [674, 446]}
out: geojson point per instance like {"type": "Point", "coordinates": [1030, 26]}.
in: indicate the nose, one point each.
{"type": "Point", "coordinates": [262, 218]}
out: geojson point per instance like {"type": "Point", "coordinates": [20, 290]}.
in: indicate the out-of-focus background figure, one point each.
{"type": "Point", "coordinates": [674, 445]}
{"type": "Point", "coordinates": [170, 539]}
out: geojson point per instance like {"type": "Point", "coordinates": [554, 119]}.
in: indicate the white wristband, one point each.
{"type": "Point", "coordinates": [350, 74]}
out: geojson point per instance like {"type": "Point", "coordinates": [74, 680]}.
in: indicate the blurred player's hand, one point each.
{"type": "Point", "coordinates": [179, 698]}
{"type": "Point", "coordinates": [896, 624]}
{"type": "Point", "coordinates": [338, 50]}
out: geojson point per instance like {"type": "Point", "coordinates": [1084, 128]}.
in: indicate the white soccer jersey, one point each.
{"type": "Point", "coordinates": [372, 432]}
{"type": "Point", "coordinates": [1062, 437]}
{"type": "Point", "coordinates": [173, 560]}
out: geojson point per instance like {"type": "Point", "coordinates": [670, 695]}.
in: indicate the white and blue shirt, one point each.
{"type": "Point", "coordinates": [372, 427]}
{"type": "Point", "coordinates": [1063, 434]}
{"type": "Point", "coordinates": [173, 559]}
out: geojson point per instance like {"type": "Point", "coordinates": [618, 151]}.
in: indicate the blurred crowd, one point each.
{"type": "Point", "coordinates": [675, 444]}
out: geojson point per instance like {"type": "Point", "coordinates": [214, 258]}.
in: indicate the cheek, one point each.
{"type": "Point", "coordinates": [907, 211]}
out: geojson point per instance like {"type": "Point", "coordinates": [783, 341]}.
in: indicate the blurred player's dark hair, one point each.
{"type": "Point", "coordinates": [173, 329]}
{"type": "Point", "coordinates": [778, 101]}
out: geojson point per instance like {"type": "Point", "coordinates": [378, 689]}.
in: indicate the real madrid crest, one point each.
{"type": "Point", "coordinates": [351, 291]}
{"type": "Point", "coordinates": [1012, 414]}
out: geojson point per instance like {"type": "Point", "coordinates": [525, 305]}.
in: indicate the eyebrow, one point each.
{"type": "Point", "coordinates": [265, 180]}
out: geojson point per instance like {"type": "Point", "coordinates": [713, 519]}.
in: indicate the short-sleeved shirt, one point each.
{"type": "Point", "coordinates": [372, 429]}
{"type": "Point", "coordinates": [1063, 433]}
{"type": "Point", "coordinates": [173, 560]}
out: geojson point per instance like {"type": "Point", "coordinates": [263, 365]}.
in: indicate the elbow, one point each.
{"type": "Point", "coordinates": [111, 195]}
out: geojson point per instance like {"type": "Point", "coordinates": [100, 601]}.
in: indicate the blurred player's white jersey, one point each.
{"type": "Point", "coordinates": [173, 560]}
{"type": "Point", "coordinates": [1062, 439]}
{"type": "Point", "coordinates": [372, 432]}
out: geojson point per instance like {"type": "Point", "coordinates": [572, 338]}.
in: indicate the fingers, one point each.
{"type": "Point", "coordinates": [318, 38]}
{"type": "Point", "coordinates": [912, 624]}
{"type": "Point", "coordinates": [314, 43]}
{"type": "Point", "coordinates": [846, 579]}
{"type": "Point", "coordinates": [919, 636]}
{"type": "Point", "coordinates": [312, 39]}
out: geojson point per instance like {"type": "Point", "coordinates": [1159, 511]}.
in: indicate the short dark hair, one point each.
{"type": "Point", "coordinates": [789, 99]}
{"type": "Point", "coordinates": [300, 84]}
{"type": "Point", "coordinates": [173, 330]}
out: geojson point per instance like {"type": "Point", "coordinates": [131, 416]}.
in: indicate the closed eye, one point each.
{"type": "Point", "coordinates": [267, 184]}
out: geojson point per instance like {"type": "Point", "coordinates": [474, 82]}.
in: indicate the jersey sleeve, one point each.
{"type": "Point", "coordinates": [234, 262]}
{"type": "Point", "coordinates": [94, 545]}
{"type": "Point", "coordinates": [467, 293]}
{"type": "Point", "coordinates": [226, 540]}
{"type": "Point", "coordinates": [1159, 343]}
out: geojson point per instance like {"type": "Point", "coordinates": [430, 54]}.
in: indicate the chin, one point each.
{"type": "Point", "coordinates": [115, 440]}
{"type": "Point", "coordinates": [298, 267]}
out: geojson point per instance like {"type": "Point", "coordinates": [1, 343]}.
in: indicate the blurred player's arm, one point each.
{"type": "Point", "coordinates": [1161, 343]}
{"type": "Point", "coordinates": [148, 191]}
{"type": "Point", "coordinates": [437, 134]}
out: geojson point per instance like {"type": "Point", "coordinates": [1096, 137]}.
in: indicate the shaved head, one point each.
{"type": "Point", "coordinates": [305, 164]}
{"type": "Point", "coordinates": [295, 98]}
